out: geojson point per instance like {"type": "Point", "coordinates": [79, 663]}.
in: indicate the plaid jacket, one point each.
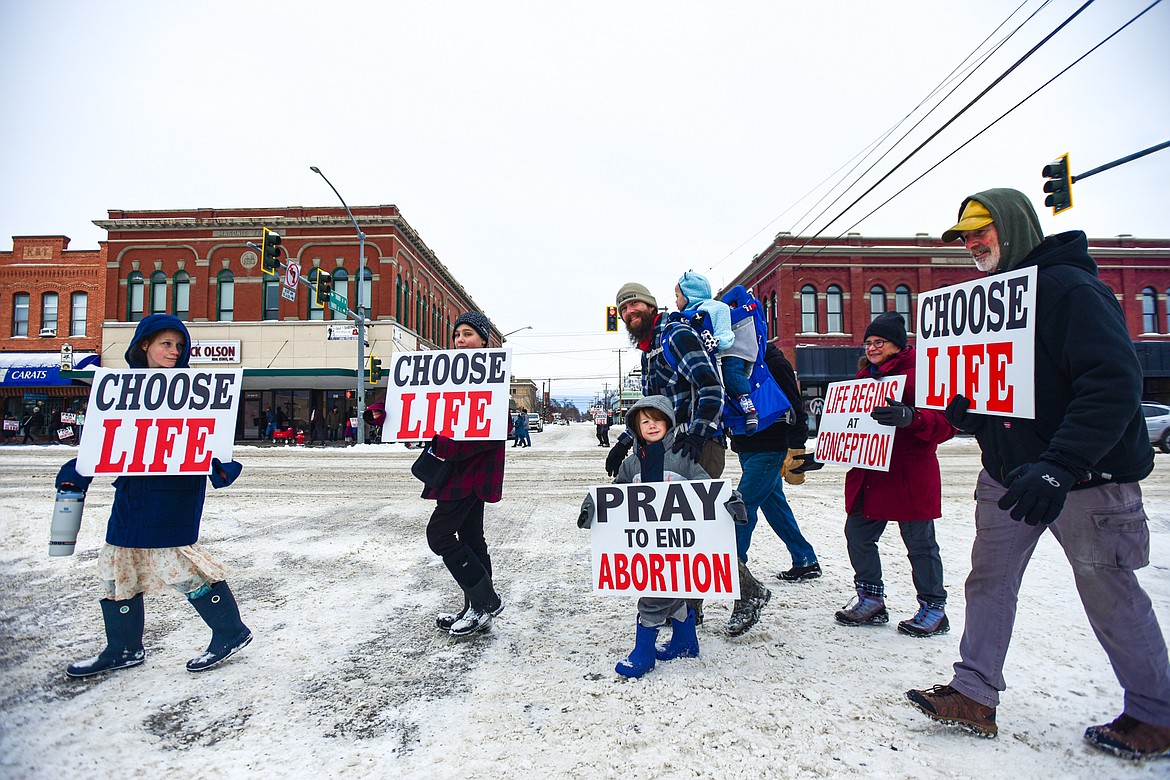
{"type": "Point", "coordinates": [478, 470]}
{"type": "Point", "coordinates": [694, 389]}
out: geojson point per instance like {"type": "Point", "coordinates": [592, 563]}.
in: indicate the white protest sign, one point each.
{"type": "Point", "coordinates": [978, 339]}
{"type": "Point", "coordinates": [151, 421]}
{"type": "Point", "coordinates": [668, 539]}
{"type": "Point", "coordinates": [458, 393]}
{"type": "Point", "coordinates": [846, 434]}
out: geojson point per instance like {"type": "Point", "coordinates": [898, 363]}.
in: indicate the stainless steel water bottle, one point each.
{"type": "Point", "coordinates": [66, 522]}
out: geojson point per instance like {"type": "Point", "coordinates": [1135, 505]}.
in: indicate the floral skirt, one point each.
{"type": "Point", "coordinates": [128, 571]}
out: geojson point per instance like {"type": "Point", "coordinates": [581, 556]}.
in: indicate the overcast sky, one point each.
{"type": "Point", "coordinates": [549, 152]}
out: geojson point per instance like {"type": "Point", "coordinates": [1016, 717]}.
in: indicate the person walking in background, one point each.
{"type": "Point", "coordinates": [333, 422]}
{"type": "Point", "coordinates": [152, 538]}
{"type": "Point", "coordinates": [455, 531]}
{"type": "Point", "coordinates": [1074, 470]}
{"type": "Point", "coordinates": [34, 423]}
{"type": "Point", "coordinates": [520, 430]}
{"type": "Point", "coordinates": [768, 459]}
{"type": "Point", "coordinates": [602, 423]}
{"type": "Point", "coordinates": [874, 498]}
{"type": "Point", "coordinates": [269, 424]}
{"type": "Point", "coordinates": [316, 427]}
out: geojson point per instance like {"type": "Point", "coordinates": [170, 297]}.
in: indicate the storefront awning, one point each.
{"type": "Point", "coordinates": [40, 369]}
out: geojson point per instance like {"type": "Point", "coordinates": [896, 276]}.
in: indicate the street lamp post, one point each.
{"type": "Point", "coordinates": [509, 333]}
{"type": "Point", "coordinates": [359, 310]}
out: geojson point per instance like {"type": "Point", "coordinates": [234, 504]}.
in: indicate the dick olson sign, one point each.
{"type": "Point", "coordinates": [846, 434]}
{"type": "Point", "coordinates": [459, 393]}
{"type": "Point", "coordinates": [669, 539]}
{"type": "Point", "coordinates": [978, 339]}
{"type": "Point", "coordinates": [146, 421]}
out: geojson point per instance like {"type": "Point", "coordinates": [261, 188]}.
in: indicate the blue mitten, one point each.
{"type": "Point", "coordinates": [68, 478]}
{"type": "Point", "coordinates": [224, 474]}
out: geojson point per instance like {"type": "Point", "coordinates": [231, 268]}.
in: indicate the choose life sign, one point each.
{"type": "Point", "coordinates": [462, 394]}
{"type": "Point", "coordinates": [978, 339]}
{"type": "Point", "coordinates": [149, 421]}
{"type": "Point", "coordinates": [668, 539]}
{"type": "Point", "coordinates": [846, 434]}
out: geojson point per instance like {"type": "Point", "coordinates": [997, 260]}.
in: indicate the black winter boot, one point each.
{"type": "Point", "coordinates": [228, 633]}
{"type": "Point", "coordinates": [447, 619]}
{"type": "Point", "coordinates": [483, 601]}
{"type": "Point", "coordinates": [124, 621]}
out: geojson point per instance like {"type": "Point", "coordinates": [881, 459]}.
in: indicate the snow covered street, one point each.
{"type": "Point", "coordinates": [348, 676]}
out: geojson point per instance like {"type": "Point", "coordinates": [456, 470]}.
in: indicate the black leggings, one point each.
{"type": "Point", "coordinates": [457, 523]}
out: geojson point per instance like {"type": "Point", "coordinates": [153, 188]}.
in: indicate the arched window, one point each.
{"type": "Point", "coordinates": [183, 295]}
{"type": "Point", "coordinates": [341, 286]}
{"type": "Point", "coordinates": [78, 313]}
{"type": "Point", "coordinates": [49, 310]}
{"type": "Point", "coordinates": [316, 310]}
{"type": "Point", "coordinates": [1149, 310]}
{"type": "Point", "coordinates": [367, 297]}
{"type": "Point", "coordinates": [774, 332]}
{"type": "Point", "coordinates": [808, 309]}
{"type": "Point", "coordinates": [135, 296]}
{"type": "Point", "coordinates": [271, 307]}
{"type": "Point", "coordinates": [399, 293]}
{"type": "Point", "coordinates": [902, 305]}
{"type": "Point", "coordinates": [225, 296]}
{"type": "Point", "coordinates": [877, 301]}
{"type": "Point", "coordinates": [158, 293]}
{"type": "Point", "coordinates": [20, 303]}
{"type": "Point", "coordinates": [834, 308]}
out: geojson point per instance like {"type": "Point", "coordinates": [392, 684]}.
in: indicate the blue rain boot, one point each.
{"type": "Point", "coordinates": [684, 643]}
{"type": "Point", "coordinates": [124, 621]}
{"type": "Point", "coordinates": [641, 658]}
{"type": "Point", "coordinates": [218, 609]}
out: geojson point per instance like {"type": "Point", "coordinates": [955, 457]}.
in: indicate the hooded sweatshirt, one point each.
{"type": "Point", "coordinates": [1088, 381]}
{"type": "Point", "coordinates": [697, 290]}
{"type": "Point", "coordinates": [164, 510]}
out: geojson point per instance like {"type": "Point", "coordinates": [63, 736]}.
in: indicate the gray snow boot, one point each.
{"type": "Point", "coordinates": [752, 598]}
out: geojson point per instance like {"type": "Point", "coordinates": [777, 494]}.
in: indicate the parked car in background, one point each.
{"type": "Point", "coordinates": [1158, 424]}
{"type": "Point", "coordinates": [535, 423]}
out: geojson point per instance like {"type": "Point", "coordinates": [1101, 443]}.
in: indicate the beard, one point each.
{"type": "Point", "coordinates": [641, 329]}
{"type": "Point", "coordinates": [990, 261]}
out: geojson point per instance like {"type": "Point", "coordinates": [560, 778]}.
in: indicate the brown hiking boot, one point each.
{"type": "Point", "coordinates": [946, 705]}
{"type": "Point", "coordinates": [1130, 738]}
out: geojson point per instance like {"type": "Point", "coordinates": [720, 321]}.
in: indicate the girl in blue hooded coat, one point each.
{"type": "Point", "coordinates": [152, 538]}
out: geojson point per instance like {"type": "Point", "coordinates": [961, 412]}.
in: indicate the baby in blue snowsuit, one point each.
{"type": "Point", "coordinates": [693, 296]}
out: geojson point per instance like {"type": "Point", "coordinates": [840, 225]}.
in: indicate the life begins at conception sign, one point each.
{"type": "Point", "coordinates": [462, 394]}
{"type": "Point", "coordinates": [978, 339]}
{"type": "Point", "coordinates": [148, 421]}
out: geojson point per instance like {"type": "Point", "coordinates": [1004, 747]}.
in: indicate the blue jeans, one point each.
{"type": "Point", "coordinates": [762, 488]}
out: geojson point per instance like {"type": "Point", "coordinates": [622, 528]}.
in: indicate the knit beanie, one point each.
{"type": "Point", "coordinates": [477, 321]}
{"type": "Point", "coordinates": [694, 287]}
{"type": "Point", "coordinates": [890, 326]}
{"type": "Point", "coordinates": [632, 291]}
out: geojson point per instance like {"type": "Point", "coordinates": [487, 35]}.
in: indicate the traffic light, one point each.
{"type": "Point", "coordinates": [374, 374]}
{"type": "Point", "coordinates": [322, 287]}
{"type": "Point", "coordinates": [270, 250]}
{"type": "Point", "coordinates": [611, 319]}
{"type": "Point", "coordinates": [1059, 184]}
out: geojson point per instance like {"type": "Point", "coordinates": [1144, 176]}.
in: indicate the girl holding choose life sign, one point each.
{"type": "Point", "coordinates": [153, 533]}
{"type": "Point", "coordinates": [455, 530]}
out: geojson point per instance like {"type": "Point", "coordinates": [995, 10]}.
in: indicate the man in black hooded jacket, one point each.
{"type": "Point", "coordinates": [1074, 470]}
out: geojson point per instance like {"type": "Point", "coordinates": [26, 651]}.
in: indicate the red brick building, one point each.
{"type": "Point", "coordinates": [50, 297]}
{"type": "Point", "coordinates": [821, 294]}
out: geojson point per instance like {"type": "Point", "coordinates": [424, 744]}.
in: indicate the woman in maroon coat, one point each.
{"type": "Point", "coordinates": [910, 493]}
{"type": "Point", "coordinates": [455, 530]}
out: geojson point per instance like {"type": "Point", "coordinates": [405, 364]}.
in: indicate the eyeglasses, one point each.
{"type": "Point", "coordinates": [874, 344]}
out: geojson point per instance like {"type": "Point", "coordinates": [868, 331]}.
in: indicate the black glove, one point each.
{"type": "Point", "coordinates": [1037, 492]}
{"type": "Point", "coordinates": [805, 462]}
{"type": "Point", "coordinates": [895, 413]}
{"type": "Point", "coordinates": [959, 418]}
{"type": "Point", "coordinates": [691, 446]}
{"type": "Point", "coordinates": [224, 474]}
{"type": "Point", "coordinates": [613, 461]}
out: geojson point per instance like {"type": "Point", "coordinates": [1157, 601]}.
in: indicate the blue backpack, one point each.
{"type": "Point", "coordinates": [750, 329]}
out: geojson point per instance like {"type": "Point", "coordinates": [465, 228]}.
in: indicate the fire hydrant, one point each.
{"type": "Point", "coordinates": [300, 438]}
